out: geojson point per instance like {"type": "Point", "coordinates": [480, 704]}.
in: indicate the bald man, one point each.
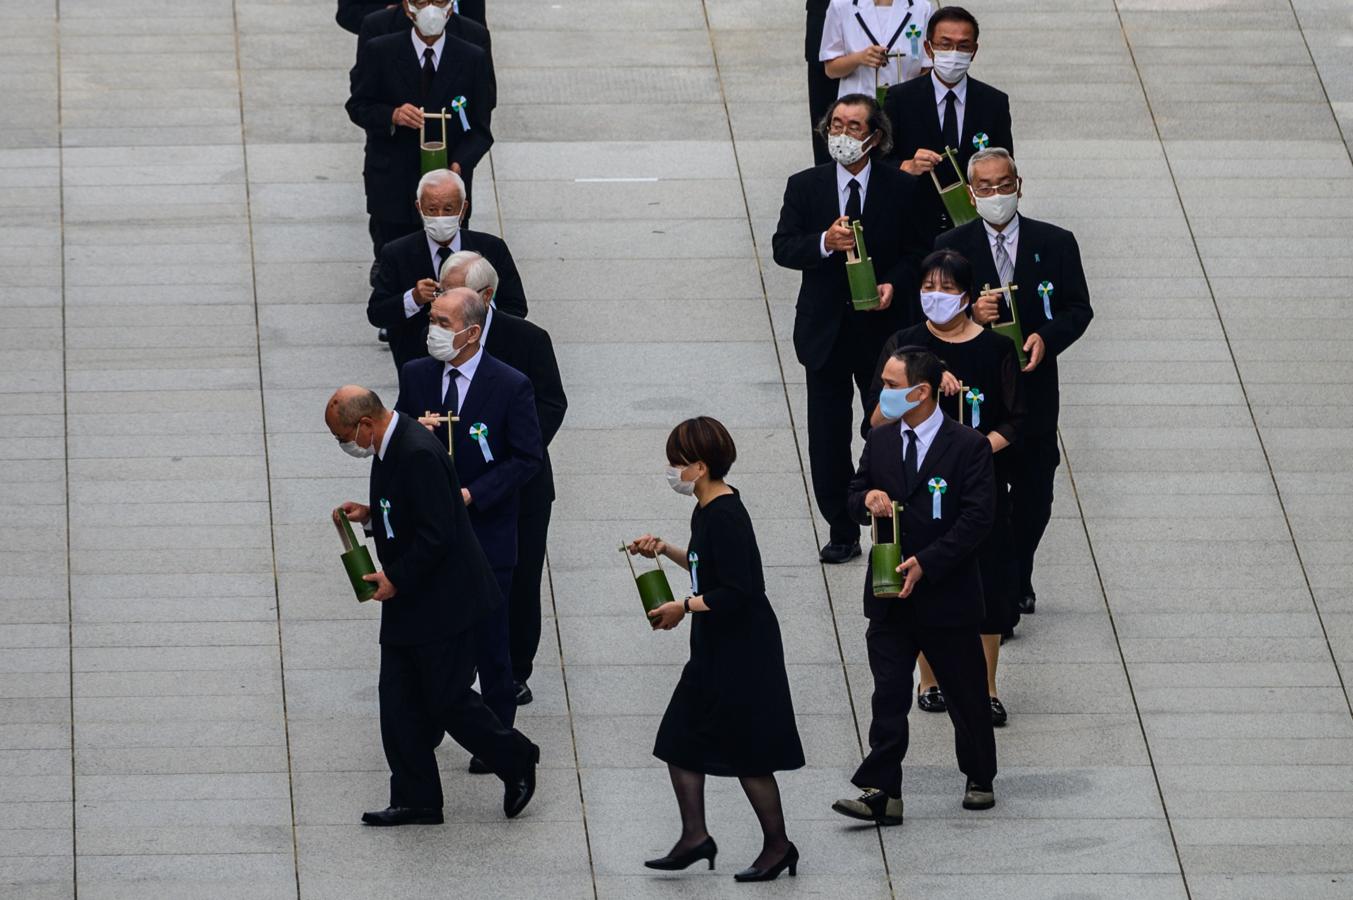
{"type": "Point", "coordinates": [435, 587]}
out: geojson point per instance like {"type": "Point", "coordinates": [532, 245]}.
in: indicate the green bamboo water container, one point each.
{"type": "Point", "coordinates": [956, 200]}
{"type": "Point", "coordinates": [654, 590]}
{"type": "Point", "coordinates": [864, 285]}
{"type": "Point", "coordinates": [885, 558]}
{"type": "Point", "coordinates": [432, 153]}
{"type": "Point", "coordinates": [1012, 328]}
{"type": "Point", "coordinates": [356, 558]}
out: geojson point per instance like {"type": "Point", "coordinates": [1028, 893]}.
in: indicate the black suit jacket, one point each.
{"type": "Point", "coordinates": [816, 20]}
{"type": "Point", "coordinates": [949, 594]}
{"type": "Point", "coordinates": [891, 239]}
{"type": "Point", "coordinates": [406, 261]}
{"type": "Point", "coordinates": [915, 117]}
{"type": "Point", "coordinates": [351, 12]}
{"type": "Point", "coordinates": [499, 398]}
{"type": "Point", "coordinates": [387, 75]}
{"type": "Point", "coordinates": [393, 21]}
{"type": "Point", "coordinates": [443, 581]}
{"type": "Point", "coordinates": [1045, 253]}
{"type": "Point", "coordinates": [527, 348]}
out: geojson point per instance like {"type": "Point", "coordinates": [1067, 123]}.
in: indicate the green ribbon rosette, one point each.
{"type": "Point", "coordinates": [937, 486]}
{"type": "Point", "coordinates": [975, 398]}
{"type": "Point", "coordinates": [480, 433]}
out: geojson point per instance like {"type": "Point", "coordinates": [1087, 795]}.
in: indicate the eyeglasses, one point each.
{"type": "Point", "coordinates": [950, 46]}
{"type": "Point", "coordinates": [419, 4]}
{"type": "Point", "coordinates": [854, 129]}
{"type": "Point", "coordinates": [989, 190]}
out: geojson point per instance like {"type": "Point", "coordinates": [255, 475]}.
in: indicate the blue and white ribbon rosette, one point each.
{"type": "Point", "coordinates": [385, 516]}
{"type": "Point", "coordinates": [694, 559]}
{"type": "Point", "coordinates": [975, 398]}
{"type": "Point", "coordinates": [1045, 291]}
{"type": "Point", "coordinates": [480, 433]}
{"type": "Point", "coordinates": [937, 488]}
{"type": "Point", "coordinates": [458, 105]}
{"type": "Point", "coordinates": [980, 140]}
{"type": "Point", "coordinates": [913, 35]}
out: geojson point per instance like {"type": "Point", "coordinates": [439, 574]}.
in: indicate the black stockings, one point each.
{"type": "Point", "coordinates": [761, 791]}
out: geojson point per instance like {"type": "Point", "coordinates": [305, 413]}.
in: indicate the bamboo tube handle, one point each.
{"type": "Point", "coordinates": [626, 552]}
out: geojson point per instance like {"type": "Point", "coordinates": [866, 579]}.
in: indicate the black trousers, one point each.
{"type": "Point", "coordinates": [493, 658]}
{"type": "Point", "coordinates": [1035, 461]}
{"type": "Point", "coordinates": [956, 657]}
{"type": "Point", "coordinates": [425, 690]}
{"type": "Point", "coordinates": [821, 92]}
{"type": "Point", "coordinates": [832, 421]}
{"type": "Point", "coordinates": [533, 527]}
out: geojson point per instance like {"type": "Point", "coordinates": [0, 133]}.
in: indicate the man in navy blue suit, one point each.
{"type": "Point", "coordinates": [498, 448]}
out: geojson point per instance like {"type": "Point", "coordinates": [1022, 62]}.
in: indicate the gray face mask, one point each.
{"type": "Point", "coordinates": [352, 449]}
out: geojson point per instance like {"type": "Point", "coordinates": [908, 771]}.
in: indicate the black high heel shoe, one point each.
{"type": "Point", "coordinates": [789, 861]}
{"type": "Point", "coordinates": [706, 849]}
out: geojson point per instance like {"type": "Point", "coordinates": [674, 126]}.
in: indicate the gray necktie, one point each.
{"type": "Point", "coordinates": [1004, 267]}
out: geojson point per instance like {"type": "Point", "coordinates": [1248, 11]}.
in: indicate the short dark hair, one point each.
{"type": "Point", "coordinates": [922, 366]}
{"type": "Point", "coordinates": [878, 122]}
{"type": "Point", "coordinates": [951, 264]}
{"type": "Point", "coordinates": [705, 440]}
{"type": "Point", "coordinates": [951, 14]}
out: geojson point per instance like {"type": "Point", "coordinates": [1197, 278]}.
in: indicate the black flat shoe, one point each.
{"type": "Point", "coordinates": [402, 815]}
{"type": "Point", "coordinates": [518, 791]}
{"type": "Point", "coordinates": [835, 553]}
{"type": "Point", "coordinates": [790, 861]}
{"type": "Point", "coordinates": [998, 714]}
{"type": "Point", "coordinates": [524, 695]}
{"type": "Point", "coordinates": [1027, 604]}
{"type": "Point", "coordinates": [479, 767]}
{"type": "Point", "coordinates": [931, 700]}
{"type": "Point", "coordinates": [706, 849]}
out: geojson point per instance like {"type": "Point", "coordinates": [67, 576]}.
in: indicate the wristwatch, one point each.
{"type": "Point", "coordinates": [686, 604]}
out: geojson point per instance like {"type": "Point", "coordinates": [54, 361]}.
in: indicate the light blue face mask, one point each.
{"type": "Point", "coordinates": [893, 402]}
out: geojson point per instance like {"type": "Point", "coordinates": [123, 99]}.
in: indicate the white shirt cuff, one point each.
{"type": "Point", "coordinates": [410, 305]}
{"type": "Point", "coordinates": [822, 246]}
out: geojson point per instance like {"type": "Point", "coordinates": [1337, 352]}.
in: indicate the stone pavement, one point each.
{"type": "Point", "coordinates": [188, 692]}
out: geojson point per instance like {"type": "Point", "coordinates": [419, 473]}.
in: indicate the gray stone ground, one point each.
{"type": "Point", "coordinates": [188, 700]}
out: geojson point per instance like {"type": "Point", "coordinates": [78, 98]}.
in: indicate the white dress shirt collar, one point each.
{"type": "Point", "coordinates": [925, 434]}
{"type": "Point", "coordinates": [1011, 234]}
{"type": "Point", "coordinates": [466, 370]}
{"type": "Point", "coordinates": [433, 247]}
{"type": "Point", "coordinates": [419, 46]}
{"type": "Point", "coordinates": [389, 433]}
{"type": "Point", "coordinates": [843, 177]}
{"type": "Point", "coordinates": [960, 90]}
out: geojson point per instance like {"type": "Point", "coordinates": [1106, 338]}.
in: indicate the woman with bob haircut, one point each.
{"type": "Point", "coordinates": [731, 714]}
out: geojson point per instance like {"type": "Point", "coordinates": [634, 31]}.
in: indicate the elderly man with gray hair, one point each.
{"type": "Point", "coordinates": [406, 280]}
{"type": "Point", "coordinates": [497, 448]}
{"type": "Point", "coordinates": [527, 348]}
{"type": "Point", "coordinates": [1053, 301]}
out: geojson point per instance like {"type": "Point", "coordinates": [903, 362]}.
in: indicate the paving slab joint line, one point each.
{"type": "Point", "coordinates": [263, 430]}
{"type": "Point", "coordinates": [1320, 79]}
{"type": "Point", "coordinates": [1235, 365]}
{"type": "Point", "coordinates": [65, 439]}
{"type": "Point", "coordinates": [789, 410]}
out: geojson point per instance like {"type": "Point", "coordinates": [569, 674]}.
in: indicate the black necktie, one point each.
{"type": "Point", "coordinates": [443, 254]}
{"type": "Point", "coordinates": [909, 467]}
{"type": "Point", "coordinates": [949, 128]}
{"type": "Point", "coordinates": [451, 402]}
{"type": "Point", "coordinates": [853, 212]}
{"type": "Point", "coordinates": [430, 69]}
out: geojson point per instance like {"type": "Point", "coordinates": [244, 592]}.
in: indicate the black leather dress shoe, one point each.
{"type": "Point", "coordinates": [1027, 604]}
{"type": "Point", "coordinates": [931, 700]}
{"type": "Point", "coordinates": [998, 714]}
{"type": "Point", "coordinates": [479, 767]}
{"type": "Point", "coordinates": [706, 849]}
{"type": "Point", "coordinates": [789, 861]}
{"type": "Point", "coordinates": [518, 790]}
{"type": "Point", "coordinates": [402, 815]}
{"type": "Point", "coordinates": [838, 553]}
{"type": "Point", "coordinates": [978, 796]}
{"type": "Point", "coordinates": [524, 695]}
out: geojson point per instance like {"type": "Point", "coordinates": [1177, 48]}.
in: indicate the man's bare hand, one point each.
{"type": "Point", "coordinates": [879, 504]}
{"type": "Point", "coordinates": [407, 116]}
{"type": "Point", "coordinates": [912, 570]}
{"type": "Point", "coordinates": [1034, 348]}
{"type": "Point", "coordinates": [385, 588]}
{"type": "Point", "coordinates": [840, 236]}
{"type": "Point", "coordinates": [987, 309]}
{"type": "Point", "coordinates": [923, 162]}
{"type": "Point", "coordinates": [425, 291]}
{"type": "Point", "coordinates": [355, 512]}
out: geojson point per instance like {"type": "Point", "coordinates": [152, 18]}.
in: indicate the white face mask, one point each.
{"type": "Point", "coordinates": [442, 343]}
{"type": "Point", "coordinates": [998, 208]}
{"type": "Point", "coordinates": [352, 449]}
{"type": "Point", "coordinates": [940, 307]}
{"type": "Point", "coordinates": [951, 65]}
{"type": "Point", "coordinates": [431, 19]}
{"type": "Point", "coordinates": [684, 488]}
{"type": "Point", "coordinates": [441, 228]}
{"type": "Point", "coordinates": [845, 149]}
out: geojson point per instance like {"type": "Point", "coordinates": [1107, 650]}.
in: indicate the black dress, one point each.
{"type": "Point", "coordinates": [989, 367]}
{"type": "Point", "coordinates": [731, 713]}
